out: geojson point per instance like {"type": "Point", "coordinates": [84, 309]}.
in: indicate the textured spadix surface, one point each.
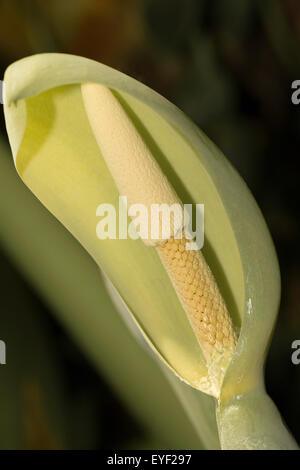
{"type": "Point", "coordinates": [138, 176]}
{"type": "Point", "coordinates": [57, 156]}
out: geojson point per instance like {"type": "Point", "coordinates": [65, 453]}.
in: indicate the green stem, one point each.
{"type": "Point", "coordinates": [252, 422]}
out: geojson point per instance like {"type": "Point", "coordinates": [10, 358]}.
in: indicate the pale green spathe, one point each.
{"type": "Point", "coordinates": [56, 155]}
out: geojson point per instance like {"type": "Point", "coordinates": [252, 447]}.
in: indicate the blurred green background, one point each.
{"type": "Point", "coordinates": [228, 65]}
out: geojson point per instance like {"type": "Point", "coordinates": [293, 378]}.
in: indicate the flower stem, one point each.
{"type": "Point", "coordinates": [252, 422]}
